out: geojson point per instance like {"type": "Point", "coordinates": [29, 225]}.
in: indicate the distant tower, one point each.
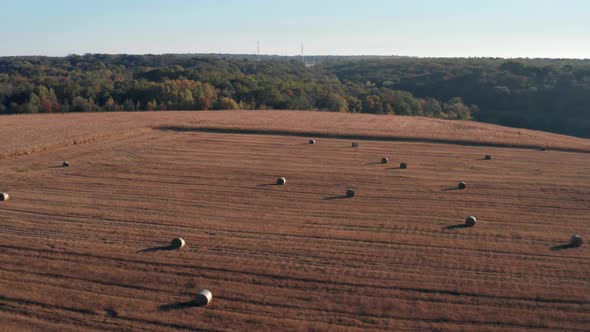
{"type": "Point", "coordinates": [258, 52]}
{"type": "Point", "coordinates": [302, 54]}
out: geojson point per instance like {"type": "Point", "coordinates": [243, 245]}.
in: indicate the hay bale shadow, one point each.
{"type": "Point", "coordinates": [563, 247]}
{"type": "Point", "coordinates": [375, 163]}
{"type": "Point", "coordinates": [335, 197]}
{"type": "Point", "coordinates": [162, 248]}
{"type": "Point", "coordinates": [395, 167]}
{"type": "Point", "coordinates": [266, 184]}
{"type": "Point", "coordinates": [458, 226]}
{"type": "Point", "coordinates": [450, 188]}
{"type": "Point", "coordinates": [56, 166]}
{"type": "Point", "coordinates": [180, 305]}
{"type": "Point", "coordinates": [111, 312]}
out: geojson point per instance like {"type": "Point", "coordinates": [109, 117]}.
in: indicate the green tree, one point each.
{"type": "Point", "coordinates": [111, 106]}
{"type": "Point", "coordinates": [455, 109]}
{"type": "Point", "coordinates": [33, 105]}
{"type": "Point", "coordinates": [129, 105]}
{"type": "Point", "coordinates": [333, 102]}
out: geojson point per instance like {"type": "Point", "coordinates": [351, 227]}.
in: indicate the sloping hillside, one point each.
{"type": "Point", "coordinates": [86, 247]}
{"type": "Point", "coordinates": [24, 134]}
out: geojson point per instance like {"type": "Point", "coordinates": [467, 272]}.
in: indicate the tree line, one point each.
{"type": "Point", "coordinates": [551, 95]}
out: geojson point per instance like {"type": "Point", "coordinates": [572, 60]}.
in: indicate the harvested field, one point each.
{"type": "Point", "coordinates": [85, 247]}
{"type": "Point", "coordinates": [29, 134]}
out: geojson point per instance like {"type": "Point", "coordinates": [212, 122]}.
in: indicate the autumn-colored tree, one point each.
{"type": "Point", "coordinates": [45, 106]}
{"type": "Point", "coordinates": [152, 105]}
{"type": "Point", "coordinates": [48, 100]}
{"type": "Point", "coordinates": [203, 103]}
{"type": "Point", "coordinates": [227, 103]}
{"type": "Point", "coordinates": [543, 94]}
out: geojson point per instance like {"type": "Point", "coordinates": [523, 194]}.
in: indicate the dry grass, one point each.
{"type": "Point", "coordinates": [81, 247]}
{"type": "Point", "coordinates": [26, 134]}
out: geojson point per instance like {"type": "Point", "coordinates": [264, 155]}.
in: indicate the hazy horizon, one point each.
{"type": "Point", "coordinates": [427, 28]}
{"type": "Point", "coordinates": [297, 55]}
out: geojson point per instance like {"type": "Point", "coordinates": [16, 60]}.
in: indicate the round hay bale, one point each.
{"type": "Point", "coordinates": [312, 141]}
{"type": "Point", "coordinates": [355, 145]}
{"type": "Point", "coordinates": [384, 160]}
{"type": "Point", "coordinates": [4, 197]}
{"type": "Point", "coordinates": [281, 181]}
{"type": "Point", "coordinates": [177, 243]}
{"type": "Point", "coordinates": [462, 185]}
{"type": "Point", "coordinates": [543, 148]}
{"type": "Point", "coordinates": [488, 157]}
{"type": "Point", "coordinates": [204, 297]}
{"type": "Point", "coordinates": [576, 240]}
{"type": "Point", "coordinates": [470, 221]}
{"type": "Point", "coordinates": [350, 193]}
{"type": "Point", "coordinates": [65, 164]}
{"type": "Point", "coordinates": [403, 165]}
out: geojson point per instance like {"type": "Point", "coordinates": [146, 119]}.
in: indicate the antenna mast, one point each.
{"type": "Point", "coordinates": [302, 54]}
{"type": "Point", "coordinates": [258, 52]}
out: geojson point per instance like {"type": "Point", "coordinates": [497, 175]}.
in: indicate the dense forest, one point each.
{"type": "Point", "coordinates": [551, 95]}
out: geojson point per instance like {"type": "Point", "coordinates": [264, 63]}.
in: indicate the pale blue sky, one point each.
{"type": "Point", "coordinates": [504, 28]}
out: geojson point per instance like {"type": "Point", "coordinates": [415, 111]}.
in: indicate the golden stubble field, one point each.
{"type": "Point", "coordinates": [80, 247]}
{"type": "Point", "coordinates": [25, 134]}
